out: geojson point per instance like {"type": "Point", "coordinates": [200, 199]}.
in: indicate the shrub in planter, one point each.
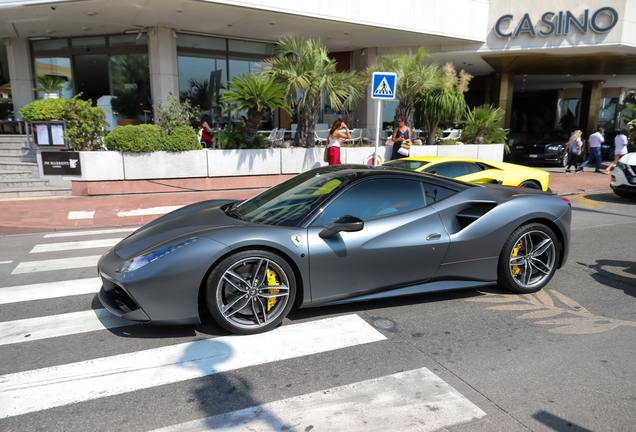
{"type": "Point", "coordinates": [44, 109]}
{"type": "Point", "coordinates": [85, 124]}
{"type": "Point", "coordinates": [181, 138]}
{"type": "Point", "coordinates": [135, 139]}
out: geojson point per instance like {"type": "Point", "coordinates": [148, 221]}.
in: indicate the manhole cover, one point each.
{"type": "Point", "coordinates": [383, 323]}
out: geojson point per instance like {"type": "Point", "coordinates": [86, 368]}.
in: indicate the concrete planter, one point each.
{"type": "Point", "coordinates": [112, 168]}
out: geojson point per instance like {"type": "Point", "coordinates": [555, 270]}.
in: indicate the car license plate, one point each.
{"type": "Point", "coordinates": [532, 156]}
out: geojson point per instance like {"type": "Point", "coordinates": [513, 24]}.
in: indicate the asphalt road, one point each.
{"type": "Point", "coordinates": [487, 360]}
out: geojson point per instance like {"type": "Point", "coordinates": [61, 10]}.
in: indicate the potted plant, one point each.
{"type": "Point", "coordinates": [130, 104]}
{"type": "Point", "coordinates": [50, 85]}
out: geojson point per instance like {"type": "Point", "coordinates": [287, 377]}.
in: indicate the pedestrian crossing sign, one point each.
{"type": "Point", "coordinates": [383, 85]}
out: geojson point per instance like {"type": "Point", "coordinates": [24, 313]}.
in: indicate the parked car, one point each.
{"type": "Point", "coordinates": [334, 234]}
{"type": "Point", "coordinates": [476, 170]}
{"type": "Point", "coordinates": [623, 181]}
{"type": "Point", "coordinates": [542, 147]}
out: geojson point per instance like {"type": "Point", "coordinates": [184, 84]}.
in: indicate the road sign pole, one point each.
{"type": "Point", "coordinates": [378, 124]}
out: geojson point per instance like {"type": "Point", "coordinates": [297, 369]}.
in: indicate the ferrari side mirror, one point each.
{"type": "Point", "coordinates": [346, 223]}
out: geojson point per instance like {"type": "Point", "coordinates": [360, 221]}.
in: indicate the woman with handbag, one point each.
{"type": "Point", "coordinates": [334, 139]}
{"type": "Point", "coordinates": [401, 139]}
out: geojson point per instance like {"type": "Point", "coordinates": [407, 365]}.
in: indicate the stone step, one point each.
{"type": "Point", "coordinates": [15, 174]}
{"type": "Point", "coordinates": [35, 192]}
{"type": "Point", "coordinates": [20, 166]}
{"type": "Point", "coordinates": [15, 158]}
{"type": "Point", "coordinates": [16, 149]}
{"type": "Point", "coordinates": [9, 139]}
{"type": "Point", "coordinates": [23, 183]}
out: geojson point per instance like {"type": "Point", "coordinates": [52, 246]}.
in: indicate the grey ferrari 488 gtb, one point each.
{"type": "Point", "coordinates": [331, 235]}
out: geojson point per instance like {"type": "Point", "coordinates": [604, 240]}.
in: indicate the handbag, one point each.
{"type": "Point", "coordinates": [325, 157]}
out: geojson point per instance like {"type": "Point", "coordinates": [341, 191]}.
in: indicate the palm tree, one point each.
{"type": "Point", "coordinates": [257, 94]}
{"type": "Point", "coordinates": [50, 83]}
{"type": "Point", "coordinates": [202, 94]}
{"type": "Point", "coordinates": [413, 75]}
{"type": "Point", "coordinates": [483, 125]}
{"type": "Point", "coordinates": [306, 69]}
{"type": "Point", "coordinates": [445, 101]}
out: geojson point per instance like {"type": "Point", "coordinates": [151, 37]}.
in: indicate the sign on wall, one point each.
{"type": "Point", "coordinates": [561, 23]}
{"type": "Point", "coordinates": [49, 133]}
{"type": "Point", "coordinates": [61, 163]}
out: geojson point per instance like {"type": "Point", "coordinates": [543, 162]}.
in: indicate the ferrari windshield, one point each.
{"type": "Point", "coordinates": [291, 201]}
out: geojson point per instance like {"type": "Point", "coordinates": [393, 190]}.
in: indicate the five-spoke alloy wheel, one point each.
{"type": "Point", "coordinates": [251, 291]}
{"type": "Point", "coordinates": [528, 259]}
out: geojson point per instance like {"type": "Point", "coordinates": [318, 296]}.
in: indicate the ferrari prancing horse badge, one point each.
{"type": "Point", "coordinates": [297, 239]}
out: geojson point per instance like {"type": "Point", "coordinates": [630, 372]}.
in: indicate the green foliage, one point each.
{"type": "Point", "coordinates": [85, 123]}
{"type": "Point", "coordinates": [44, 109]}
{"type": "Point", "coordinates": [143, 138]}
{"type": "Point", "coordinates": [261, 142]}
{"type": "Point", "coordinates": [629, 117]}
{"type": "Point", "coordinates": [231, 137]}
{"type": "Point", "coordinates": [49, 83]}
{"type": "Point", "coordinates": [174, 113]}
{"type": "Point", "coordinates": [203, 95]}
{"type": "Point", "coordinates": [181, 138]}
{"type": "Point", "coordinates": [130, 104]}
{"type": "Point", "coordinates": [487, 121]}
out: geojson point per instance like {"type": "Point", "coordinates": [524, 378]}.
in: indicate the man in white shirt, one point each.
{"type": "Point", "coordinates": [594, 150]}
{"type": "Point", "coordinates": [620, 148]}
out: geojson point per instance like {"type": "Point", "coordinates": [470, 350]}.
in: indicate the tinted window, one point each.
{"type": "Point", "coordinates": [453, 169]}
{"type": "Point", "coordinates": [436, 193]}
{"type": "Point", "coordinates": [406, 164]}
{"type": "Point", "coordinates": [376, 198]}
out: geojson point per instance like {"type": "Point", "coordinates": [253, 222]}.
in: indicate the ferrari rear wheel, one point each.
{"type": "Point", "coordinates": [528, 259]}
{"type": "Point", "coordinates": [251, 292]}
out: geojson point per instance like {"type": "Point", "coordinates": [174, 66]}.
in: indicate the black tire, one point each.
{"type": "Point", "coordinates": [528, 259]}
{"type": "Point", "coordinates": [530, 184]}
{"type": "Point", "coordinates": [251, 292]}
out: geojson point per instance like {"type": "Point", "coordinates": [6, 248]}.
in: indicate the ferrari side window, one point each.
{"type": "Point", "coordinates": [436, 193]}
{"type": "Point", "coordinates": [376, 198]}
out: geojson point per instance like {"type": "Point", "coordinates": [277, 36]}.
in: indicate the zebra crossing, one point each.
{"type": "Point", "coordinates": [70, 391]}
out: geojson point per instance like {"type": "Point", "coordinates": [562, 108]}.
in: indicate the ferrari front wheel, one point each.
{"type": "Point", "coordinates": [251, 291]}
{"type": "Point", "coordinates": [528, 259]}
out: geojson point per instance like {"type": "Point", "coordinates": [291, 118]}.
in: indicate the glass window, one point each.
{"type": "Point", "coordinates": [406, 164]}
{"type": "Point", "coordinates": [88, 42]}
{"type": "Point", "coordinates": [436, 193]}
{"type": "Point", "coordinates": [607, 114]}
{"type": "Point", "coordinates": [55, 66]}
{"type": "Point", "coordinates": [51, 44]}
{"type": "Point", "coordinates": [126, 40]}
{"type": "Point", "coordinates": [452, 169]}
{"type": "Point", "coordinates": [200, 42]}
{"type": "Point", "coordinates": [130, 72]}
{"type": "Point", "coordinates": [201, 81]}
{"type": "Point", "coordinates": [291, 201]}
{"type": "Point", "coordinates": [376, 198]}
{"type": "Point", "coordinates": [570, 114]}
{"type": "Point", "coordinates": [266, 49]}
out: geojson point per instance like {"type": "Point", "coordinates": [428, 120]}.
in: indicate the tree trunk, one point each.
{"type": "Point", "coordinates": [407, 111]}
{"type": "Point", "coordinates": [254, 117]}
{"type": "Point", "coordinates": [307, 119]}
{"type": "Point", "coordinates": [432, 127]}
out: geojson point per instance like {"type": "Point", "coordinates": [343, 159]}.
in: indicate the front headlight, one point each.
{"type": "Point", "coordinates": [519, 147]}
{"type": "Point", "coordinates": [553, 149]}
{"type": "Point", "coordinates": [141, 260]}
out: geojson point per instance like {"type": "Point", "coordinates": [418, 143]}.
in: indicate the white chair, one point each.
{"type": "Point", "coordinates": [279, 136]}
{"type": "Point", "coordinates": [321, 135]}
{"type": "Point", "coordinates": [294, 126]}
{"type": "Point", "coordinates": [454, 135]}
{"type": "Point", "coordinates": [356, 135]}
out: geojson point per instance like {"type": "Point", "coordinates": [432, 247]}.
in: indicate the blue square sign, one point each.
{"type": "Point", "coordinates": [383, 85]}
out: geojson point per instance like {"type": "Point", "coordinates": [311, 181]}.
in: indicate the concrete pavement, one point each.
{"type": "Point", "coordinates": [21, 215]}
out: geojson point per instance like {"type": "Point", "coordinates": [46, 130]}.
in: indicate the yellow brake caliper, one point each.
{"type": "Point", "coordinates": [515, 252]}
{"type": "Point", "coordinates": [272, 280]}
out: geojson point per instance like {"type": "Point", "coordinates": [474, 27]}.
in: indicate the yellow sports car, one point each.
{"type": "Point", "coordinates": [476, 170]}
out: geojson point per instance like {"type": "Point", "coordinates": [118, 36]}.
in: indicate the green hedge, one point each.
{"type": "Point", "coordinates": [44, 109]}
{"type": "Point", "coordinates": [147, 138]}
{"type": "Point", "coordinates": [135, 139]}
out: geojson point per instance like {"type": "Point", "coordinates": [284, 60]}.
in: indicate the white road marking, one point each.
{"type": "Point", "coordinates": [93, 232]}
{"type": "Point", "coordinates": [416, 400]}
{"type": "Point", "coordinates": [75, 245]}
{"type": "Point", "coordinates": [56, 264]}
{"type": "Point", "coordinates": [41, 389]}
{"type": "Point", "coordinates": [31, 329]}
{"type": "Point", "coordinates": [49, 290]}
{"type": "Point", "coordinates": [149, 211]}
{"type": "Point", "coordinates": [6, 262]}
{"type": "Point", "coordinates": [81, 215]}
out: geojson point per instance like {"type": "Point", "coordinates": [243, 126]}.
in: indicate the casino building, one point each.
{"type": "Point", "coordinates": [546, 64]}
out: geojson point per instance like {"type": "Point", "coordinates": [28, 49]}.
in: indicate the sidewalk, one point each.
{"type": "Point", "coordinates": [23, 215]}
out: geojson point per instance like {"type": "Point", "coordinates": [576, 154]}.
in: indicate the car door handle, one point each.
{"type": "Point", "coordinates": [435, 236]}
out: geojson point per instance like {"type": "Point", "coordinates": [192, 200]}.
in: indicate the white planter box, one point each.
{"type": "Point", "coordinates": [296, 160]}
{"type": "Point", "coordinates": [222, 163]}
{"type": "Point", "coordinates": [165, 165]}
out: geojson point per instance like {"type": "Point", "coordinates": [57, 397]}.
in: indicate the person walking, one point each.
{"type": "Point", "coordinates": [594, 150]}
{"type": "Point", "coordinates": [401, 135]}
{"type": "Point", "coordinates": [573, 150]}
{"type": "Point", "coordinates": [334, 139]}
{"type": "Point", "coordinates": [620, 148]}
